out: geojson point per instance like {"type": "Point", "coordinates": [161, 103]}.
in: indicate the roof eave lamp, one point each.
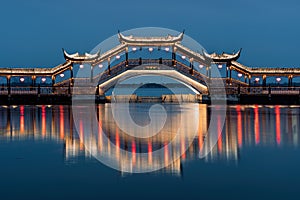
{"type": "Point", "coordinates": [256, 80]}
{"type": "Point", "coordinates": [240, 75]}
{"type": "Point", "coordinates": [43, 80]}
{"type": "Point", "coordinates": [81, 66]}
{"type": "Point", "coordinates": [22, 79]}
{"type": "Point", "coordinates": [167, 49]}
{"type": "Point", "coordinates": [61, 75]}
{"type": "Point", "coordinates": [183, 57]}
{"type": "Point", "coordinates": [220, 66]}
{"type": "Point", "coordinates": [100, 65]}
{"type": "Point", "coordinates": [201, 66]}
{"type": "Point", "coordinates": [150, 49]}
{"type": "Point", "coordinates": [118, 57]}
{"type": "Point", "coordinates": [134, 49]}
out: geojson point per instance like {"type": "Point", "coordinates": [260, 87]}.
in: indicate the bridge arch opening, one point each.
{"type": "Point", "coordinates": [152, 85]}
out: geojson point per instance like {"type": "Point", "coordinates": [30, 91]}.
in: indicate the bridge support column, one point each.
{"type": "Point", "coordinates": [191, 66]}
{"type": "Point", "coordinates": [230, 75]}
{"type": "Point", "coordinates": [290, 80]}
{"type": "Point", "coordinates": [72, 75]}
{"type": "Point", "coordinates": [8, 84]}
{"type": "Point", "coordinates": [33, 78]}
{"type": "Point", "coordinates": [227, 68]}
{"type": "Point", "coordinates": [108, 63]}
{"type": "Point", "coordinates": [173, 56]}
{"type": "Point", "coordinates": [92, 73]}
{"type": "Point", "coordinates": [160, 61]}
{"type": "Point", "coordinates": [33, 85]}
{"type": "Point", "coordinates": [53, 82]}
{"type": "Point", "coordinates": [208, 71]}
{"type": "Point", "coordinates": [264, 80]}
{"type": "Point", "coordinates": [126, 57]}
{"type": "Point", "coordinates": [39, 90]}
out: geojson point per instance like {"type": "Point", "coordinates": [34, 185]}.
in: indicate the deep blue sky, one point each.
{"type": "Point", "coordinates": [34, 31]}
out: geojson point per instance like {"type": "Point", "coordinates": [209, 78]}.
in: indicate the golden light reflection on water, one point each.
{"type": "Point", "coordinates": [245, 126]}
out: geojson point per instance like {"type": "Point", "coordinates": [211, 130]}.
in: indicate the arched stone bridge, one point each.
{"type": "Point", "coordinates": [102, 70]}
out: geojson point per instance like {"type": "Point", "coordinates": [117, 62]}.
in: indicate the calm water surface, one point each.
{"type": "Point", "coordinates": [43, 155]}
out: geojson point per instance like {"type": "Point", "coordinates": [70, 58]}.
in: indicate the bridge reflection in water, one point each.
{"type": "Point", "coordinates": [245, 126]}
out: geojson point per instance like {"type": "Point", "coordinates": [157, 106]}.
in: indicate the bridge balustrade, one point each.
{"type": "Point", "coordinates": [23, 90]}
